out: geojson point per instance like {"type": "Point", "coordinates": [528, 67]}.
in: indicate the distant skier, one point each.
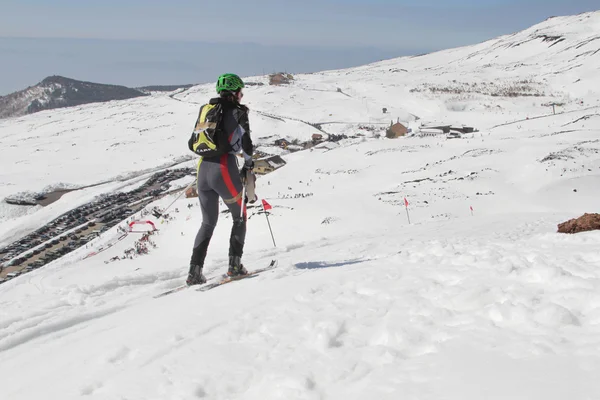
{"type": "Point", "coordinates": [222, 130]}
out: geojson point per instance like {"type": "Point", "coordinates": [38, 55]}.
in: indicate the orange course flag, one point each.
{"type": "Point", "coordinates": [266, 205]}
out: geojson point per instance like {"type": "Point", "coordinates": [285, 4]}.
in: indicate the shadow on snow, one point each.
{"type": "Point", "coordinates": [323, 264]}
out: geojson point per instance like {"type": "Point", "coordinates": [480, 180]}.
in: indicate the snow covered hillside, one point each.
{"type": "Point", "coordinates": [459, 304]}
{"type": "Point", "coordinates": [57, 91]}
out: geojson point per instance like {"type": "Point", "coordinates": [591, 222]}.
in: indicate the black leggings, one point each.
{"type": "Point", "coordinates": [219, 178]}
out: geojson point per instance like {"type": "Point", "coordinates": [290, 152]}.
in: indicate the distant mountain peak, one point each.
{"type": "Point", "coordinates": [58, 91]}
{"type": "Point", "coordinates": [56, 79]}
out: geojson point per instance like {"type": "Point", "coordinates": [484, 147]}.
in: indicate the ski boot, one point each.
{"type": "Point", "coordinates": [195, 276]}
{"type": "Point", "coordinates": [236, 268]}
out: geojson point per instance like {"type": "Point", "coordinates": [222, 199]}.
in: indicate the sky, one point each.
{"type": "Point", "coordinates": [147, 42]}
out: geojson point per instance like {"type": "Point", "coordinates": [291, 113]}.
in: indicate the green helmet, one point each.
{"type": "Point", "coordinates": [229, 82]}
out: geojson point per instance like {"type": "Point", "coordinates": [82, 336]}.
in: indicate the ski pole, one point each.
{"type": "Point", "coordinates": [267, 206]}
{"type": "Point", "coordinates": [243, 201]}
{"type": "Point", "coordinates": [159, 214]}
{"type": "Point", "coordinates": [270, 230]}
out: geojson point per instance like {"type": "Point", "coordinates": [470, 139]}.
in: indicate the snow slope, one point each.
{"type": "Point", "coordinates": [457, 86]}
{"type": "Point", "coordinates": [56, 92]}
{"type": "Point", "coordinates": [493, 305]}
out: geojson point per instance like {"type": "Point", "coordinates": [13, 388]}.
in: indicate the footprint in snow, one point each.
{"type": "Point", "coordinates": [91, 388]}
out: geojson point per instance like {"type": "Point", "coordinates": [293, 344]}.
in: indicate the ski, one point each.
{"type": "Point", "coordinates": [223, 279]}
{"type": "Point", "coordinates": [229, 279]}
{"type": "Point", "coordinates": [171, 291]}
{"type": "Point", "coordinates": [185, 286]}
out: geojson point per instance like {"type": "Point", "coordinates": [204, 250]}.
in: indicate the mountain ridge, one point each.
{"type": "Point", "coordinates": [56, 91]}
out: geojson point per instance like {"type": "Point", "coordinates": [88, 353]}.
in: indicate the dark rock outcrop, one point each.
{"type": "Point", "coordinates": [587, 222]}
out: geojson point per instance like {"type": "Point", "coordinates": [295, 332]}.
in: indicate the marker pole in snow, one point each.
{"type": "Point", "coordinates": [471, 207]}
{"type": "Point", "coordinates": [267, 206]}
{"type": "Point", "coordinates": [406, 207]}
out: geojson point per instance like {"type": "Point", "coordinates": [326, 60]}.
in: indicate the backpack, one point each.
{"type": "Point", "coordinates": [208, 138]}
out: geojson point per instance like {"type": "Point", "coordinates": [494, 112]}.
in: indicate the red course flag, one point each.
{"type": "Point", "coordinates": [471, 207]}
{"type": "Point", "coordinates": [266, 205]}
{"type": "Point", "coordinates": [405, 202]}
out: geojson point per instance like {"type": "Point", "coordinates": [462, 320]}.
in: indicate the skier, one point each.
{"type": "Point", "coordinates": [219, 177]}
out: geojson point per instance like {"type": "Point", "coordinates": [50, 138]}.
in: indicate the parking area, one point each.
{"type": "Point", "coordinates": [81, 225]}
